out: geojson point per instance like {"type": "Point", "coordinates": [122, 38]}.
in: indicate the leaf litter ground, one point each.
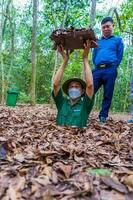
{"type": "Point", "coordinates": [42, 161]}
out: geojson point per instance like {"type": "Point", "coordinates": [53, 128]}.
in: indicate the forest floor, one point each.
{"type": "Point", "coordinates": [42, 161]}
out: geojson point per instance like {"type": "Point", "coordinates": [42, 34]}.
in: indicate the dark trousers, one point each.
{"type": "Point", "coordinates": [106, 77]}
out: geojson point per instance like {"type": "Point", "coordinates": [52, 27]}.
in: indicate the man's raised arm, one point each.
{"type": "Point", "coordinates": [60, 72]}
{"type": "Point", "coordinates": [87, 71]}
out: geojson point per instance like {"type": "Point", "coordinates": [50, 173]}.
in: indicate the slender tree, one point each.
{"type": "Point", "coordinates": [12, 30]}
{"type": "Point", "coordinates": [3, 20]}
{"type": "Point", "coordinates": [65, 11]}
{"type": "Point", "coordinates": [92, 13]}
{"type": "Point", "coordinates": [33, 77]}
{"type": "Point", "coordinates": [1, 58]}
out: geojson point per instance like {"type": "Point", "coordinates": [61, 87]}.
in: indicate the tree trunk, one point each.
{"type": "Point", "coordinates": [92, 13]}
{"type": "Point", "coordinates": [55, 66]}
{"type": "Point", "coordinates": [61, 27]}
{"type": "Point", "coordinates": [126, 91]}
{"type": "Point", "coordinates": [56, 53]}
{"type": "Point", "coordinates": [12, 46]}
{"type": "Point", "coordinates": [132, 92]}
{"type": "Point", "coordinates": [65, 15]}
{"type": "Point", "coordinates": [132, 78]}
{"type": "Point", "coordinates": [33, 76]}
{"type": "Point", "coordinates": [92, 22]}
{"type": "Point", "coordinates": [1, 58]}
{"type": "Point", "coordinates": [3, 21]}
{"type": "Point", "coordinates": [6, 14]}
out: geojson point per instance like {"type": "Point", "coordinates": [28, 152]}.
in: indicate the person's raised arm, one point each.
{"type": "Point", "coordinates": [87, 71]}
{"type": "Point", "coordinates": [60, 72]}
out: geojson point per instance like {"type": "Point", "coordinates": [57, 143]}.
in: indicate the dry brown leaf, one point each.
{"type": "Point", "coordinates": [129, 180]}
{"type": "Point", "coordinates": [48, 153]}
{"type": "Point", "coordinates": [66, 169]}
{"type": "Point", "coordinates": [47, 195]}
{"type": "Point", "coordinates": [2, 139]}
{"type": "Point", "coordinates": [111, 195]}
{"type": "Point", "coordinates": [77, 158]}
{"type": "Point", "coordinates": [47, 171]}
{"type": "Point", "coordinates": [43, 180]}
{"type": "Point", "coordinates": [114, 184]}
{"type": "Point", "coordinates": [19, 157]}
{"type": "Point", "coordinates": [54, 177]}
{"type": "Point", "coordinates": [116, 159]}
{"type": "Point", "coordinates": [129, 196]}
{"type": "Point", "coordinates": [12, 193]}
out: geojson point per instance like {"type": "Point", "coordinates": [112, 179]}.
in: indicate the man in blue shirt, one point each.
{"type": "Point", "coordinates": [106, 58]}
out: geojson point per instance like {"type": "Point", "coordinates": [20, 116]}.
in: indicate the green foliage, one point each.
{"type": "Point", "coordinates": [23, 97]}
{"type": "Point", "coordinates": [127, 16]}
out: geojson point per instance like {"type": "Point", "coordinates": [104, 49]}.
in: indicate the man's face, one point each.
{"type": "Point", "coordinates": [107, 29]}
{"type": "Point", "coordinates": [75, 84]}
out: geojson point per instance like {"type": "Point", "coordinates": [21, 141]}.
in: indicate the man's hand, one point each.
{"type": "Point", "coordinates": [86, 49]}
{"type": "Point", "coordinates": [87, 70]}
{"type": "Point", "coordinates": [63, 54]}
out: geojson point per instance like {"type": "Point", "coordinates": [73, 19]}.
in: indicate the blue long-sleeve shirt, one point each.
{"type": "Point", "coordinates": [109, 51]}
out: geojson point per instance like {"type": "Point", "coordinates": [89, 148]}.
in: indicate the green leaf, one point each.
{"type": "Point", "coordinates": [104, 172]}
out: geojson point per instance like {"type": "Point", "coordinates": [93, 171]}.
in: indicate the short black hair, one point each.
{"type": "Point", "coordinates": [107, 19]}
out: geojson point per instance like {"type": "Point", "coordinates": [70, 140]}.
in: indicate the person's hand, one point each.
{"type": "Point", "coordinates": [86, 49]}
{"type": "Point", "coordinates": [64, 55]}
